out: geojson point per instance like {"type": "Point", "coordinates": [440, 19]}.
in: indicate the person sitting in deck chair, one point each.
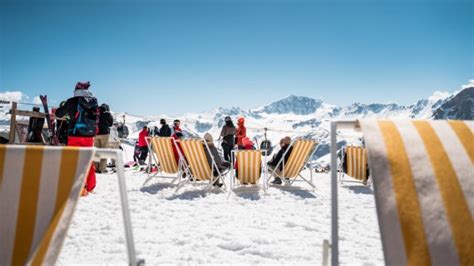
{"type": "Point", "coordinates": [272, 164]}
{"type": "Point", "coordinates": [214, 154]}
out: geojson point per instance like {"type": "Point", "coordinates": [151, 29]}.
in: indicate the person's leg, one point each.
{"type": "Point", "coordinates": [114, 145]}
{"type": "Point", "coordinates": [227, 155]}
{"type": "Point", "coordinates": [85, 142]}
{"type": "Point", "coordinates": [104, 139]}
{"type": "Point", "coordinates": [276, 178]}
{"type": "Point", "coordinates": [143, 154]}
{"type": "Point", "coordinates": [97, 145]}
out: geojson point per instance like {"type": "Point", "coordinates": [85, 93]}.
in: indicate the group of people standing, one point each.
{"type": "Point", "coordinates": [141, 147]}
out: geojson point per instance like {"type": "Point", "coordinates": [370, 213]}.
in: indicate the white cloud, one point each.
{"type": "Point", "coordinates": [13, 96]}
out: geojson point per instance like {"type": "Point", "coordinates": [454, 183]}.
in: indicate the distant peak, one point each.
{"type": "Point", "coordinates": [300, 105]}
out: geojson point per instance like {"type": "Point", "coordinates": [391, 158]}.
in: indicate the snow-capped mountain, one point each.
{"type": "Point", "coordinates": [460, 106]}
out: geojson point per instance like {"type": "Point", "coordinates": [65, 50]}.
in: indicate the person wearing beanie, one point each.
{"type": "Point", "coordinates": [165, 130]}
{"type": "Point", "coordinates": [241, 132]}
{"type": "Point", "coordinates": [228, 138]}
{"type": "Point", "coordinates": [82, 110]}
{"type": "Point", "coordinates": [272, 164]}
{"type": "Point", "coordinates": [212, 153]}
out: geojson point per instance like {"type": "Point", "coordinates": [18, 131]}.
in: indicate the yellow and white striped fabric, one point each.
{"type": "Point", "coordinates": [302, 149]}
{"type": "Point", "coordinates": [249, 166]}
{"type": "Point", "coordinates": [162, 146]}
{"type": "Point", "coordinates": [356, 162]}
{"type": "Point", "coordinates": [424, 189]}
{"type": "Point", "coordinates": [193, 150]}
{"type": "Point", "coordinates": [39, 189]}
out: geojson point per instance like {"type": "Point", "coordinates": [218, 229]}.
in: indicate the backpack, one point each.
{"type": "Point", "coordinates": [86, 122]}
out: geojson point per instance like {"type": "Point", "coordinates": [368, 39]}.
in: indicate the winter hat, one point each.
{"type": "Point", "coordinates": [285, 141]}
{"type": "Point", "coordinates": [227, 118]}
{"type": "Point", "coordinates": [105, 107]}
{"type": "Point", "coordinates": [208, 138]}
{"type": "Point", "coordinates": [83, 85]}
{"type": "Point", "coordinates": [247, 142]}
{"type": "Point", "coordinates": [82, 90]}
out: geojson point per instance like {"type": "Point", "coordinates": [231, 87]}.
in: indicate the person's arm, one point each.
{"type": "Point", "coordinates": [217, 157]}
{"type": "Point", "coordinates": [222, 131]}
{"type": "Point", "coordinates": [277, 158]}
{"type": "Point", "coordinates": [63, 110]}
{"type": "Point", "coordinates": [109, 119]}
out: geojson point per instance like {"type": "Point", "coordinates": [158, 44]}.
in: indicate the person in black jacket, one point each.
{"type": "Point", "coordinates": [82, 111]}
{"type": "Point", "coordinates": [165, 130]}
{"type": "Point", "coordinates": [228, 138]}
{"type": "Point", "coordinates": [102, 139]}
{"type": "Point", "coordinates": [272, 164]}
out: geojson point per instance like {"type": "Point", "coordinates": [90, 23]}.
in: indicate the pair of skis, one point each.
{"type": "Point", "coordinates": [52, 136]}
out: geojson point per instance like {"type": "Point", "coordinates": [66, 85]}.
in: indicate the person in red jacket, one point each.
{"type": "Point", "coordinates": [142, 145]}
{"type": "Point", "coordinates": [82, 110]}
{"type": "Point", "coordinates": [241, 132]}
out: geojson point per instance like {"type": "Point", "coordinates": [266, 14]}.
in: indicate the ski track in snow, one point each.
{"type": "Point", "coordinates": [285, 226]}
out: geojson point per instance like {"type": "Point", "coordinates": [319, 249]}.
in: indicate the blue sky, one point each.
{"type": "Point", "coordinates": [172, 57]}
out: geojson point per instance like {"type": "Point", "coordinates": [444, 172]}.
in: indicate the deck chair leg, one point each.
{"type": "Point", "coordinates": [307, 181]}
{"type": "Point", "coordinates": [147, 180]}
{"type": "Point", "coordinates": [181, 184]}
{"type": "Point", "coordinates": [126, 211]}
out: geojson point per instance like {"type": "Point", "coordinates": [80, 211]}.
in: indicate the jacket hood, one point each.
{"type": "Point", "coordinates": [241, 121]}
{"type": "Point", "coordinates": [88, 103]}
{"type": "Point", "coordinates": [208, 138]}
{"type": "Point", "coordinates": [83, 93]}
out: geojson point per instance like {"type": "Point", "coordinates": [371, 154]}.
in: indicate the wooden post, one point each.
{"type": "Point", "coordinates": [12, 137]}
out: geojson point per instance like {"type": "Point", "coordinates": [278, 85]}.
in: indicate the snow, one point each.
{"type": "Point", "coordinates": [439, 95]}
{"type": "Point", "coordinates": [284, 226]}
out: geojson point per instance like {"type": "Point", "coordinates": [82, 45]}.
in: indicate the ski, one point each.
{"type": "Point", "coordinates": [52, 136]}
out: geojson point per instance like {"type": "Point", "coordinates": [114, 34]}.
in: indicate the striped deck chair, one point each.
{"type": "Point", "coordinates": [302, 151]}
{"type": "Point", "coordinates": [163, 156]}
{"type": "Point", "coordinates": [39, 190]}
{"type": "Point", "coordinates": [197, 167]}
{"type": "Point", "coordinates": [249, 166]}
{"type": "Point", "coordinates": [424, 189]}
{"type": "Point", "coordinates": [356, 163]}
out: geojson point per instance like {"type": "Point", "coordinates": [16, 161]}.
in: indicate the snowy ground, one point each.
{"type": "Point", "coordinates": [285, 226]}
